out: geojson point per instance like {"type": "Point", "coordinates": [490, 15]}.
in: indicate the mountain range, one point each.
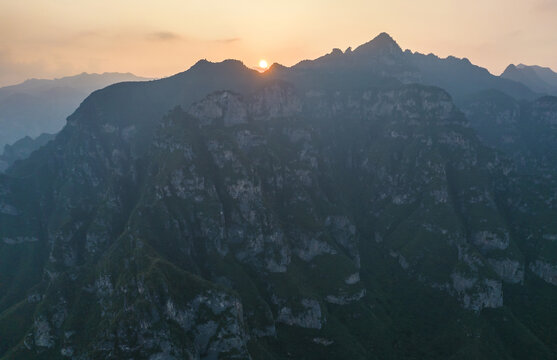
{"type": "Point", "coordinates": [543, 80]}
{"type": "Point", "coordinates": [383, 58]}
{"type": "Point", "coordinates": [39, 106]}
{"type": "Point", "coordinates": [369, 204]}
{"type": "Point", "coordinates": [22, 148]}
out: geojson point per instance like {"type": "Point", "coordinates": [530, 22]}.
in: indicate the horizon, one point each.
{"type": "Point", "coordinates": [48, 40]}
{"type": "Point", "coordinates": [261, 69]}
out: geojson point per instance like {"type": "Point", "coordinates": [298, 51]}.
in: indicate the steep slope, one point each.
{"type": "Point", "coordinates": [266, 225]}
{"type": "Point", "coordinates": [322, 211]}
{"type": "Point", "coordinates": [527, 133]}
{"type": "Point", "coordinates": [21, 149]}
{"type": "Point", "coordinates": [39, 106]}
{"type": "Point", "coordinates": [524, 130]}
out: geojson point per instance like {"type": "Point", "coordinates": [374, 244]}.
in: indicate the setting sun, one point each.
{"type": "Point", "coordinates": [263, 64]}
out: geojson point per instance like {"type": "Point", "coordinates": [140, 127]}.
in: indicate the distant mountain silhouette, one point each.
{"type": "Point", "coordinates": [537, 78]}
{"type": "Point", "coordinates": [382, 58]}
{"type": "Point", "coordinates": [21, 149]}
{"type": "Point", "coordinates": [39, 106]}
{"type": "Point", "coordinates": [382, 44]}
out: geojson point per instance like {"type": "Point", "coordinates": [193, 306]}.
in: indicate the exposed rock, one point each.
{"type": "Point", "coordinates": [550, 237]}
{"type": "Point", "coordinates": [490, 240]}
{"type": "Point", "coordinates": [275, 101]}
{"type": "Point", "coordinates": [401, 259]}
{"type": "Point", "coordinates": [212, 336]}
{"type": "Point", "coordinates": [545, 270]}
{"type": "Point", "coordinates": [19, 240]}
{"type": "Point", "coordinates": [67, 351]}
{"type": "Point", "coordinates": [310, 317]}
{"type": "Point", "coordinates": [307, 249]}
{"type": "Point", "coordinates": [224, 106]}
{"type": "Point", "coordinates": [323, 341]}
{"type": "Point", "coordinates": [343, 231]}
{"type": "Point", "coordinates": [352, 279]}
{"type": "Point", "coordinates": [477, 294]}
{"type": "Point", "coordinates": [509, 270]}
{"type": "Point", "coordinates": [7, 209]}
{"type": "Point", "coordinates": [346, 299]}
{"type": "Point", "coordinates": [42, 335]}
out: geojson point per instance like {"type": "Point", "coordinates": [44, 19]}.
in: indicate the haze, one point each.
{"type": "Point", "coordinates": [53, 38]}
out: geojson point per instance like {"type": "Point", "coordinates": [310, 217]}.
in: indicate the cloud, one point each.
{"type": "Point", "coordinates": [227, 40]}
{"type": "Point", "coordinates": [168, 36]}
{"type": "Point", "coordinates": [164, 36]}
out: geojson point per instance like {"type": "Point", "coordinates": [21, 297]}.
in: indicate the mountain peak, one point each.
{"type": "Point", "coordinates": [384, 37]}
{"type": "Point", "coordinates": [205, 65]}
{"type": "Point", "coordinates": [511, 67]}
{"type": "Point", "coordinates": [382, 43]}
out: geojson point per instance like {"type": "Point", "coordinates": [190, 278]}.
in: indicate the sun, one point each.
{"type": "Point", "coordinates": [263, 64]}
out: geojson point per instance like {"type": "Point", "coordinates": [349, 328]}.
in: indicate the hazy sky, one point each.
{"type": "Point", "coordinates": [53, 38]}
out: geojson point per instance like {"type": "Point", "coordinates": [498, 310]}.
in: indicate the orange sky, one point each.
{"type": "Point", "coordinates": [53, 38]}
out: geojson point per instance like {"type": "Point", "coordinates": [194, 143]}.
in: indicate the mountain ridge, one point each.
{"type": "Point", "coordinates": [383, 58]}
{"type": "Point", "coordinates": [540, 79]}
{"type": "Point", "coordinates": [223, 213]}
{"type": "Point", "coordinates": [41, 106]}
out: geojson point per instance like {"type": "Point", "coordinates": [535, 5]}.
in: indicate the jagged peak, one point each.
{"type": "Point", "coordinates": [204, 63]}
{"type": "Point", "coordinates": [201, 62]}
{"type": "Point", "coordinates": [384, 37]}
{"type": "Point", "coordinates": [522, 66]}
{"type": "Point", "coordinates": [275, 67]}
{"type": "Point", "coordinates": [511, 67]}
{"type": "Point", "coordinates": [336, 51]}
{"type": "Point", "coordinates": [381, 43]}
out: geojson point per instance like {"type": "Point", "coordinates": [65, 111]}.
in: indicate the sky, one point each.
{"type": "Point", "coordinates": [54, 38]}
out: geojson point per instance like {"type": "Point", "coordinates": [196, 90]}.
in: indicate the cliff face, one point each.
{"type": "Point", "coordinates": [298, 214]}
{"type": "Point", "coordinates": [248, 215]}
{"type": "Point", "coordinates": [21, 149]}
{"type": "Point", "coordinates": [524, 132]}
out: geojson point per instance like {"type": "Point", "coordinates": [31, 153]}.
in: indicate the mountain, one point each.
{"type": "Point", "coordinates": [21, 149]}
{"type": "Point", "coordinates": [39, 106]}
{"type": "Point", "coordinates": [382, 60]}
{"type": "Point", "coordinates": [328, 210]}
{"type": "Point", "coordinates": [540, 79]}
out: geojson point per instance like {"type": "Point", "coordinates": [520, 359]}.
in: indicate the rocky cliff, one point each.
{"type": "Point", "coordinates": [247, 216]}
